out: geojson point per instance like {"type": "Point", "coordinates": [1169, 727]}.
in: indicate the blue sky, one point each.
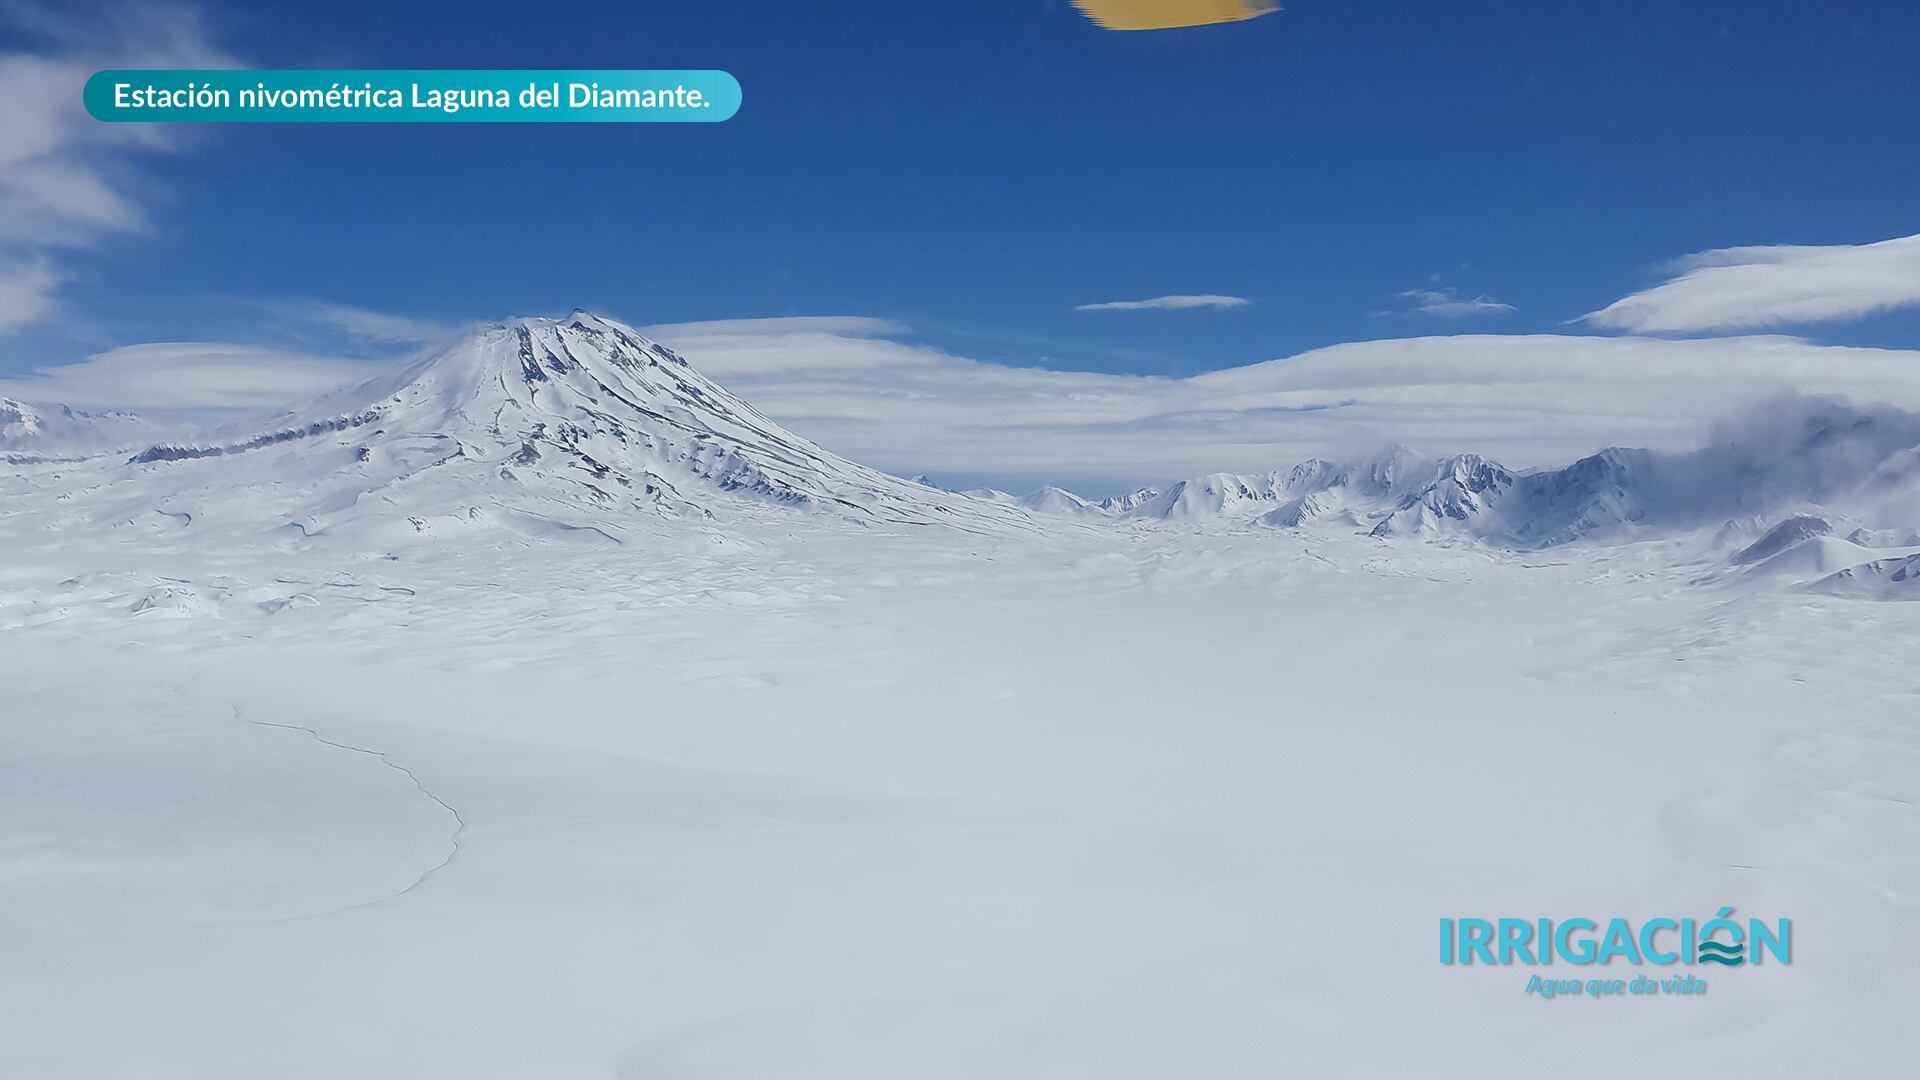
{"type": "Point", "coordinates": [977, 171]}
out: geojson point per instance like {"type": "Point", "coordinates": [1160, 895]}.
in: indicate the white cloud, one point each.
{"type": "Point", "coordinates": [825, 344]}
{"type": "Point", "coordinates": [1169, 303]}
{"type": "Point", "coordinates": [191, 380]}
{"type": "Point", "coordinates": [60, 185]}
{"type": "Point", "coordinates": [26, 291]}
{"type": "Point", "coordinates": [1784, 284]}
{"type": "Point", "coordinates": [1446, 303]}
{"type": "Point", "coordinates": [838, 325]}
{"type": "Point", "coordinates": [358, 324]}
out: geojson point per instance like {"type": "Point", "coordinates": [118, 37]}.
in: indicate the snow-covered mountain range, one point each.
{"type": "Point", "coordinates": [572, 426]}
{"type": "Point", "coordinates": [1803, 466]}
{"type": "Point", "coordinates": [1797, 452]}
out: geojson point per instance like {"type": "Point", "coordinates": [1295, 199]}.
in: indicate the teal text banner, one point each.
{"type": "Point", "coordinates": [469, 96]}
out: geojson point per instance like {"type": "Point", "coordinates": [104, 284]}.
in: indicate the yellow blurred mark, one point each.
{"type": "Point", "coordinates": [1166, 14]}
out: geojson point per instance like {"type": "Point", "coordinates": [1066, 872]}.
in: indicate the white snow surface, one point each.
{"type": "Point", "coordinates": [546, 711]}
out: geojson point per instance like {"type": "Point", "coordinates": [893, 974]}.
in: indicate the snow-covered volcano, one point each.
{"type": "Point", "coordinates": [580, 411]}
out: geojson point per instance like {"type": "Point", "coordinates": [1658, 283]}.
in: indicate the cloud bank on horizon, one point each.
{"type": "Point", "coordinates": [1541, 399]}
{"type": "Point", "coordinates": [196, 381]}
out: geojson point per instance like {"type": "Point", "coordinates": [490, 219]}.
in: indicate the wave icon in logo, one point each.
{"type": "Point", "coordinates": [1732, 954]}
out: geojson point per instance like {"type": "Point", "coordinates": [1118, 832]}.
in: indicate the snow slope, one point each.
{"type": "Point", "coordinates": [1892, 578]}
{"type": "Point", "coordinates": [818, 801]}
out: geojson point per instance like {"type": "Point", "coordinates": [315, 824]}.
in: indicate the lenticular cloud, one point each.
{"type": "Point", "coordinates": [1782, 285]}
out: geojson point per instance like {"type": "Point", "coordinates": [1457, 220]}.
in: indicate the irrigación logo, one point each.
{"type": "Point", "coordinates": [1580, 942]}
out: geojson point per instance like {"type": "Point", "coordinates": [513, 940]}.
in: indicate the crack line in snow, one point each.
{"type": "Point", "coordinates": [453, 838]}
